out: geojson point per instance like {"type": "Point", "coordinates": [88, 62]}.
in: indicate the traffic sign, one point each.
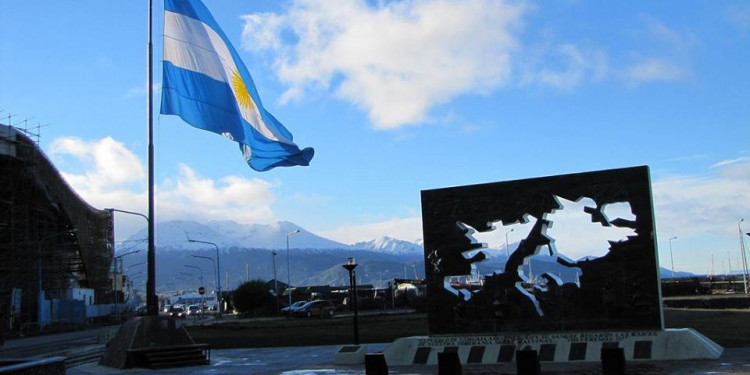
{"type": "Point", "coordinates": [201, 290]}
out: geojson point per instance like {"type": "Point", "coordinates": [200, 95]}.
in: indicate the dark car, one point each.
{"type": "Point", "coordinates": [177, 312]}
{"type": "Point", "coordinates": [317, 307]}
{"type": "Point", "coordinates": [193, 310]}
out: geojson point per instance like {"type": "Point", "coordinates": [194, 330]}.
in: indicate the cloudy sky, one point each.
{"type": "Point", "coordinates": [402, 96]}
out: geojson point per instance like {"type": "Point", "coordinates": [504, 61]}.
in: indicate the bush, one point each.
{"type": "Point", "coordinates": [252, 297]}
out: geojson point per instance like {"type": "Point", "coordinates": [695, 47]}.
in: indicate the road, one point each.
{"type": "Point", "coordinates": [69, 344]}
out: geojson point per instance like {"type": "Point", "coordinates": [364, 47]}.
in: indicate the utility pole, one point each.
{"type": "Point", "coordinates": [744, 259]}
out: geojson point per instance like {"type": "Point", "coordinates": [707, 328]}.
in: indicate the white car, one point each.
{"type": "Point", "coordinates": [290, 309]}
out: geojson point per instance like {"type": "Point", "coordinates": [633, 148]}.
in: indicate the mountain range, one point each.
{"type": "Point", "coordinates": [251, 251]}
{"type": "Point", "coordinates": [176, 235]}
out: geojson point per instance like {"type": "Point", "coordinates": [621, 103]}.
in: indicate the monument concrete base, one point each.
{"type": "Point", "coordinates": [669, 344]}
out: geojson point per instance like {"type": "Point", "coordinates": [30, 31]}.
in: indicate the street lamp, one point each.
{"type": "Point", "coordinates": [350, 265]}
{"type": "Point", "coordinates": [744, 259]}
{"type": "Point", "coordinates": [40, 293]}
{"type": "Point", "coordinates": [218, 271]}
{"type": "Point", "coordinates": [152, 301]}
{"type": "Point", "coordinates": [192, 277]}
{"type": "Point", "coordinates": [216, 274]}
{"type": "Point", "coordinates": [135, 265]}
{"type": "Point", "coordinates": [288, 272]}
{"type": "Point", "coordinates": [507, 251]}
{"type": "Point", "coordinates": [670, 254]}
{"type": "Point", "coordinates": [390, 290]}
{"type": "Point", "coordinates": [199, 270]}
{"type": "Point", "coordinates": [117, 308]}
{"type": "Point", "coordinates": [275, 281]}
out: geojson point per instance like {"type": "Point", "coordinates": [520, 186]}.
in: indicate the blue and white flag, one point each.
{"type": "Point", "coordinates": [208, 86]}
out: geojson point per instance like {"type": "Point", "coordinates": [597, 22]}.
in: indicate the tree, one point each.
{"type": "Point", "coordinates": [252, 297]}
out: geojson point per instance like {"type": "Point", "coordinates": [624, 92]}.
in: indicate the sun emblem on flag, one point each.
{"type": "Point", "coordinates": [243, 96]}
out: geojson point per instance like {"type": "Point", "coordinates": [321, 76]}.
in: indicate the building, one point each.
{"type": "Point", "coordinates": [51, 240]}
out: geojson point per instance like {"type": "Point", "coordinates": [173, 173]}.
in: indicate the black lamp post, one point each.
{"type": "Point", "coordinates": [350, 265]}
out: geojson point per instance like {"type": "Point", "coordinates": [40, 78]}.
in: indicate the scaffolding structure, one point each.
{"type": "Point", "coordinates": [51, 240]}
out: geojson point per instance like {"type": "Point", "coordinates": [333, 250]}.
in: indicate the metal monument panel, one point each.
{"type": "Point", "coordinates": [594, 269]}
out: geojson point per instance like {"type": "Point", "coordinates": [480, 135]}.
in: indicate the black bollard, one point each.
{"type": "Point", "coordinates": [613, 361]}
{"type": "Point", "coordinates": [375, 364]}
{"type": "Point", "coordinates": [449, 363]}
{"type": "Point", "coordinates": [527, 362]}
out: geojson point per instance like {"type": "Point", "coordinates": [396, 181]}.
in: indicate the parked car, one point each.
{"type": "Point", "coordinates": [177, 312]}
{"type": "Point", "coordinates": [289, 310]}
{"type": "Point", "coordinates": [318, 307]}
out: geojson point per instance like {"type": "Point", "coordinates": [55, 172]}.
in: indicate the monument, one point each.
{"type": "Point", "coordinates": [565, 291]}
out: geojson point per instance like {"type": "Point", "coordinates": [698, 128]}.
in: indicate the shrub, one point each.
{"type": "Point", "coordinates": [252, 297]}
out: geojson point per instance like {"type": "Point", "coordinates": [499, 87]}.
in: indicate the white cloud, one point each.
{"type": "Point", "coordinates": [407, 229]}
{"type": "Point", "coordinates": [564, 66]}
{"type": "Point", "coordinates": [104, 62]}
{"type": "Point", "coordinates": [689, 157]}
{"type": "Point", "coordinates": [705, 206]}
{"type": "Point", "coordinates": [310, 198]}
{"type": "Point", "coordinates": [262, 31]}
{"type": "Point", "coordinates": [139, 91]}
{"type": "Point", "coordinates": [734, 168]}
{"type": "Point", "coordinates": [701, 205]}
{"type": "Point", "coordinates": [739, 17]}
{"type": "Point", "coordinates": [399, 60]}
{"type": "Point", "coordinates": [667, 55]}
{"type": "Point", "coordinates": [695, 207]}
{"type": "Point", "coordinates": [108, 162]}
{"type": "Point", "coordinates": [203, 199]}
{"type": "Point", "coordinates": [396, 60]}
{"type": "Point", "coordinates": [112, 176]}
{"type": "Point", "coordinates": [653, 70]}
{"type": "Point", "coordinates": [573, 233]}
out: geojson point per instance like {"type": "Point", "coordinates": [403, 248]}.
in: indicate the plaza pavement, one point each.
{"type": "Point", "coordinates": [318, 360]}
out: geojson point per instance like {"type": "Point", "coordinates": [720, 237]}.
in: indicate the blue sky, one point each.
{"type": "Point", "coordinates": [401, 96]}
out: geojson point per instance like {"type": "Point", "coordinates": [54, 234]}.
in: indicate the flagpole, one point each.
{"type": "Point", "coordinates": [152, 302]}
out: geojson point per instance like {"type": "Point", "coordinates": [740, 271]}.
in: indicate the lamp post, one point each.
{"type": "Point", "coordinates": [152, 301]}
{"type": "Point", "coordinates": [670, 254]}
{"type": "Point", "coordinates": [507, 251]}
{"type": "Point", "coordinates": [275, 282]}
{"type": "Point", "coordinates": [350, 265]}
{"type": "Point", "coordinates": [40, 292]}
{"type": "Point", "coordinates": [192, 277]}
{"type": "Point", "coordinates": [199, 270]}
{"type": "Point", "coordinates": [390, 290]}
{"type": "Point", "coordinates": [288, 269]}
{"type": "Point", "coordinates": [744, 259]}
{"type": "Point", "coordinates": [119, 257]}
{"type": "Point", "coordinates": [216, 274]}
{"type": "Point", "coordinates": [135, 265]}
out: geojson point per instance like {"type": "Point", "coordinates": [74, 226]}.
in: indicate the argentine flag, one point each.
{"type": "Point", "coordinates": [208, 86]}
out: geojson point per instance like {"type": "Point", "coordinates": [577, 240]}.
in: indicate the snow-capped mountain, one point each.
{"type": "Point", "coordinates": [390, 245]}
{"type": "Point", "coordinates": [252, 251]}
{"type": "Point", "coordinates": [175, 235]}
